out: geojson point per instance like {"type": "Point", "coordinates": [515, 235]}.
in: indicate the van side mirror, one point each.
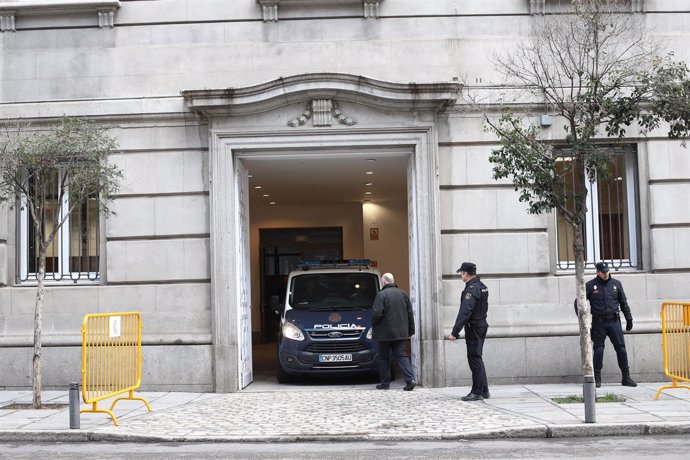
{"type": "Point", "coordinates": [275, 305]}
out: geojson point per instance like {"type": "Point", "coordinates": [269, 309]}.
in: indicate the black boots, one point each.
{"type": "Point", "coordinates": [627, 380]}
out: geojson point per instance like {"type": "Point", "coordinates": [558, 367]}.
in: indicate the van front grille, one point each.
{"type": "Point", "coordinates": [344, 333]}
{"type": "Point", "coordinates": [335, 347]}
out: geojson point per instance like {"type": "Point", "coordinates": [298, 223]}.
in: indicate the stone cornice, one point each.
{"type": "Point", "coordinates": [104, 8]}
{"type": "Point", "coordinates": [281, 92]}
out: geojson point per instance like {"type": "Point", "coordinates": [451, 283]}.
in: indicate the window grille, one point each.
{"type": "Point", "coordinates": [611, 227]}
{"type": "Point", "coordinates": [74, 253]}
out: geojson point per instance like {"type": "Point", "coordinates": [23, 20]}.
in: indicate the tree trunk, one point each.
{"type": "Point", "coordinates": [38, 315]}
{"type": "Point", "coordinates": [583, 309]}
{"type": "Point", "coordinates": [584, 317]}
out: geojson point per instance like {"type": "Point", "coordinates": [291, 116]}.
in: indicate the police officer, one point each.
{"type": "Point", "coordinates": [607, 300]}
{"type": "Point", "coordinates": [474, 305]}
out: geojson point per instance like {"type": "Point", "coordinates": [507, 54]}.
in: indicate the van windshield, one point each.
{"type": "Point", "coordinates": [333, 291]}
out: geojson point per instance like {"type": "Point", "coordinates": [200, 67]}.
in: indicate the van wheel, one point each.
{"type": "Point", "coordinates": [283, 377]}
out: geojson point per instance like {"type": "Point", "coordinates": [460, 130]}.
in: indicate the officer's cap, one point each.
{"type": "Point", "coordinates": [468, 267]}
{"type": "Point", "coordinates": [602, 267]}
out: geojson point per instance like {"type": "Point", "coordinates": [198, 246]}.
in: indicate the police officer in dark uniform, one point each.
{"type": "Point", "coordinates": [472, 316]}
{"type": "Point", "coordinates": [607, 300]}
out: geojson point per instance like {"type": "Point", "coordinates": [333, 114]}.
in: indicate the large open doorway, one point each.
{"type": "Point", "coordinates": [320, 206]}
{"type": "Point", "coordinates": [232, 276]}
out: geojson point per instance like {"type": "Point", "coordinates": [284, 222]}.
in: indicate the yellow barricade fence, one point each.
{"type": "Point", "coordinates": [110, 358]}
{"type": "Point", "coordinates": [675, 336]}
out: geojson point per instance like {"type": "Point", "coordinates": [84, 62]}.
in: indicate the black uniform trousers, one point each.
{"type": "Point", "coordinates": [474, 340]}
{"type": "Point", "coordinates": [611, 328]}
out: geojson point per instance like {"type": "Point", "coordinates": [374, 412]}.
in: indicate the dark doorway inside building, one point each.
{"type": "Point", "coordinates": [281, 250]}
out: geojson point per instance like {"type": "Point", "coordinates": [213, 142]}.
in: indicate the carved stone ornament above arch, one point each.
{"type": "Point", "coordinates": [306, 88]}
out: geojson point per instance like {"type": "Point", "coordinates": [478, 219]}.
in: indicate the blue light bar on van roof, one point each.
{"type": "Point", "coordinates": [307, 264]}
{"type": "Point", "coordinates": [359, 261]}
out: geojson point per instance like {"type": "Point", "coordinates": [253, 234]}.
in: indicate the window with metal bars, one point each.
{"type": "Point", "coordinates": [611, 227]}
{"type": "Point", "coordinates": [74, 253]}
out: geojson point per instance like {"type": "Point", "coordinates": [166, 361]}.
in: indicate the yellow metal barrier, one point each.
{"type": "Point", "coordinates": [675, 336]}
{"type": "Point", "coordinates": [110, 358]}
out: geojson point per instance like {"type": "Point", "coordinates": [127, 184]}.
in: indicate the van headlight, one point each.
{"type": "Point", "coordinates": [369, 332]}
{"type": "Point", "coordinates": [292, 332]}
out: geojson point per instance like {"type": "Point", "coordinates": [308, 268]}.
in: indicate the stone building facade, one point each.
{"type": "Point", "coordinates": [200, 92]}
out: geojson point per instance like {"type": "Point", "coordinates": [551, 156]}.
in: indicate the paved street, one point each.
{"type": "Point", "coordinates": [662, 447]}
{"type": "Point", "coordinates": [355, 413]}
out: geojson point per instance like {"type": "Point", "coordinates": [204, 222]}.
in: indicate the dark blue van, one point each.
{"type": "Point", "coordinates": [325, 322]}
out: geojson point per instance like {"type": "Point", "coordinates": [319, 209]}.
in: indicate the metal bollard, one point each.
{"type": "Point", "coordinates": [74, 406]}
{"type": "Point", "coordinates": [590, 397]}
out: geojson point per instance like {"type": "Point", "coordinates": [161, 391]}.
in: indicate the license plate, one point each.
{"type": "Point", "coordinates": [334, 358]}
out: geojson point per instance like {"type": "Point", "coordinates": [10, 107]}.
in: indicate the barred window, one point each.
{"type": "Point", "coordinates": [74, 253]}
{"type": "Point", "coordinates": [611, 227]}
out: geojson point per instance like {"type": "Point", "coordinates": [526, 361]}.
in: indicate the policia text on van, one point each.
{"type": "Point", "coordinates": [325, 321]}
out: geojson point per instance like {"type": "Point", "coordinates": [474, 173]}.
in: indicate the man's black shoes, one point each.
{"type": "Point", "coordinates": [486, 395]}
{"type": "Point", "coordinates": [381, 386]}
{"type": "Point", "coordinates": [472, 397]}
{"type": "Point", "coordinates": [410, 386]}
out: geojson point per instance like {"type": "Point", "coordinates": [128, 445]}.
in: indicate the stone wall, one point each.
{"type": "Point", "coordinates": [157, 249]}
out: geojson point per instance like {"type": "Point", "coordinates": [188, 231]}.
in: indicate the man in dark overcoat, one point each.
{"type": "Point", "coordinates": [393, 325]}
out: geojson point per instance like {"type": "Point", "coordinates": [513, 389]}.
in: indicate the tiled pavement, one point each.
{"type": "Point", "coordinates": [354, 412]}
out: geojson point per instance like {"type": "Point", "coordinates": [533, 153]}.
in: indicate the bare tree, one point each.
{"type": "Point", "coordinates": [68, 163]}
{"type": "Point", "coordinates": [592, 66]}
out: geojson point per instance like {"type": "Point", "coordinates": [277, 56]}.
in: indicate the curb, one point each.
{"type": "Point", "coordinates": [618, 429]}
{"type": "Point", "coordinates": [543, 431]}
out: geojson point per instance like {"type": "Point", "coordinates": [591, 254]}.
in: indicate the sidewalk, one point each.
{"type": "Point", "coordinates": [353, 413]}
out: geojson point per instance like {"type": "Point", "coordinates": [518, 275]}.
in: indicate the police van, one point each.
{"type": "Point", "coordinates": [325, 320]}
